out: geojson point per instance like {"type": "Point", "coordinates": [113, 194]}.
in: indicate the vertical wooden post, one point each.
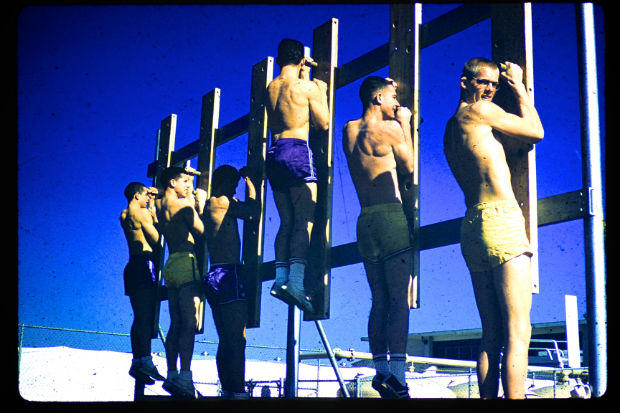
{"type": "Point", "coordinates": [209, 120]}
{"type": "Point", "coordinates": [318, 273]}
{"type": "Point", "coordinates": [511, 28]}
{"type": "Point", "coordinates": [404, 57]}
{"type": "Point", "coordinates": [253, 231]}
{"type": "Point", "coordinates": [163, 153]}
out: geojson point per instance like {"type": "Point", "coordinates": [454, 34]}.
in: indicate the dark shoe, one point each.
{"type": "Point", "coordinates": [389, 387]}
{"type": "Point", "coordinates": [183, 389]}
{"type": "Point", "coordinates": [277, 291]}
{"type": "Point", "coordinates": [137, 372]}
{"type": "Point", "coordinates": [297, 297]}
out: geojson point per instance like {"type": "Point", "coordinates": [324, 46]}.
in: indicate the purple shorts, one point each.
{"type": "Point", "coordinates": [288, 163]}
{"type": "Point", "coordinates": [224, 284]}
{"type": "Point", "coordinates": [140, 272]}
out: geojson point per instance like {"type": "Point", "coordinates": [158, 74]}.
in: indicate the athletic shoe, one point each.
{"type": "Point", "coordinates": [183, 389]}
{"type": "Point", "coordinates": [277, 291]}
{"type": "Point", "coordinates": [231, 395]}
{"type": "Point", "coordinates": [149, 369]}
{"type": "Point", "coordinates": [297, 297]}
{"type": "Point", "coordinates": [389, 387]}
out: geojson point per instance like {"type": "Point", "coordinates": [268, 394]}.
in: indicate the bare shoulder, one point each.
{"type": "Point", "coordinates": [219, 202]}
{"type": "Point", "coordinates": [485, 109]}
{"type": "Point", "coordinates": [392, 129]}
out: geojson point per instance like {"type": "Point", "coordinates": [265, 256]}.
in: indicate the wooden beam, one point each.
{"type": "Point", "coordinates": [453, 22]}
{"type": "Point", "coordinates": [404, 56]}
{"type": "Point", "coordinates": [253, 231]}
{"type": "Point", "coordinates": [511, 30]}
{"type": "Point", "coordinates": [209, 120]}
{"type": "Point", "coordinates": [163, 150]}
{"type": "Point", "coordinates": [318, 273]}
{"type": "Point", "coordinates": [555, 209]}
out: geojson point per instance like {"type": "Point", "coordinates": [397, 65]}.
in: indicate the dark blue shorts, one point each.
{"type": "Point", "coordinates": [140, 272]}
{"type": "Point", "coordinates": [224, 284]}
{"type": "Point", "coordinates": [288, 163]}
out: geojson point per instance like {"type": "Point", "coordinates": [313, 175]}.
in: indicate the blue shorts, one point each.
{"type": "Point", "coordinates": [224, 284]}
{"type": "Point", "coordinates": [288, 163]}
{"type": "Point", "coordinates": [140, 273]}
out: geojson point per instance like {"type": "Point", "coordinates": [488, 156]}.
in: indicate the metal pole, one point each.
{"type": "Point", "coordinates": [292, 352]}
{"type": "Point", "coordinates": [332, 359]}
{"type": "Point", "coordinates": [593, 222]}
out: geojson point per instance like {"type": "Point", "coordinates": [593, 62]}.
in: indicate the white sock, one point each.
{"type": "Point", "coordinates": [297, 271]}
{"type": "Point", "coordinates": [397, 366]}
{"type": "Point", "coordinates": [282, 272]}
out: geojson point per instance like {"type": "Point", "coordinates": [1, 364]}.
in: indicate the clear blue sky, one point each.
{"type": "Point", "coordinates": [95, 82]}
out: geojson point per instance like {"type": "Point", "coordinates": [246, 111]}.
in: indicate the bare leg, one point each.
{"type": "Point", "coordinates": [491, 343]}
{"type": "Point", "coordinates": [189, 300]}
{"type": "Point", "coordinates": [397, 275]}
{"type": "Point", "coordinates": [143, 305]}
{"type": "Point", "coordinates": [378, 318]}
{"type": "Point", "coordinates": [303, 199]}
{"type": "Point", "coordinates": [283, 237]}
{"type": "Point", "coordinates": [230, 322]}
{"type": "Point", "coordinates": [172, 338]}
{"type": "Point", "coordinates": [514, 292]}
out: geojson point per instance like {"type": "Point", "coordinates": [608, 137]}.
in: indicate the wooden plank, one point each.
{"type": "Point", "coordinates": [511, 30]}
{"type": "Point", "coordinates": [453, 22]}
{"type": "Point", "coordinates": [224, 134]}
{"type": "Point", "coordinates": [209, 119]}
{"type": "Point", "coordinates": [555, 209]}
{"type": "Point", "coordinates": [163, 150]}
{"type": "Point", "coordinates": [318, 273]}
{"type": "Point", "coordinates": [362, 66]}
{"type": "Point", "coordinates": [404, 56]}
{"type": "Point", "coordinates": [253, 231]}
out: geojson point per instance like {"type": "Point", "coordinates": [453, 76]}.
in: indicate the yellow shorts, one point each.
{"type": "Point", "coordinates": [180, 269]}
{"type": "Point", "coordinates": [493, 233]}
{"type": "Point", "coordinates": [382, 231]}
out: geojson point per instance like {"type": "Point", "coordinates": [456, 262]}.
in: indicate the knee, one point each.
{"type": "Point", "coordinates": [520, 333]}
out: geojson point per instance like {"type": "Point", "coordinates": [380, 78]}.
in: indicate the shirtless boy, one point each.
{"type": "Point", "coordinates": [377, 147]}
{"type": "Point", "coordinates": [493, 238]}
{"type": "Point", "coordinates": [179, 215]}
{"type": "Point", "coordinates": [225, 281]}
{"type": "Point", "coordinates": [138, 221]}
{"type": "Point", "coordinates": [294, 102]}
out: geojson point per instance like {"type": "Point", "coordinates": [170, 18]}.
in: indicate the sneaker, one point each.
{"type": "Point", "coordinates": [231, 395]}
{"type": "Point", "coordinates": [295, 296]}
{"type": "Point", "coordinates": [277, 291]}
{"type": "Point", "coordinates": [389, 387]}
{"type": "Point", "coordinates": [138, 372]}
{"type": "Point", "coordinates": [183, 389]}
{"type": "Point", "coordinates": [149, 369]}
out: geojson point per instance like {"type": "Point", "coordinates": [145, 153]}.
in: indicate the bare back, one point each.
{"type": "Point", "coordinates": [288, 108]}
{"type": "Point", "coordinates": [293, 101]}
{"type": "Point", "coordinates": [176, 218]}
{"type": "Point", "coordinates": [222, 231]}
{"type": "Point", "coordinates": [476, 157]}
{"type": "Point", "coordinates": [134, 222]}
{"type": "Point", "coordinates": [369, 148]}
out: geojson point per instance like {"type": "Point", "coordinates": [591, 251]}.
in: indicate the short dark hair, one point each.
{"type": "Point", "coordinates": [370, 86]}
{"type": "Point", "coordinates": [170, 173]}
{"type": "Point", "coordinates": [473, 65]}
{"type": "Point", "coordinates": [290, 51]}
{"type": "Point", "coordinates": [224, 174]}
{"type": "Point", "coordinates": [133, 188]}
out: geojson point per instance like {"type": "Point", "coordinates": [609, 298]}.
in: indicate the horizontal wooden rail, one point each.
{"type": "Point", "coordinates": [555, 209]}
